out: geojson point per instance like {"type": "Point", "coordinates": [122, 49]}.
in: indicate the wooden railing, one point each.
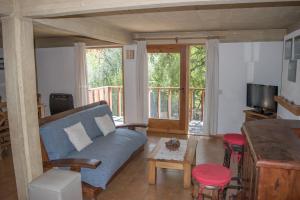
{"type": "Point", "coordinates": [112, 94]}
{"type": "Point", "coordinates": [161, 101]}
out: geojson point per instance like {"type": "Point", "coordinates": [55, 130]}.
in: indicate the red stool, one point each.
{"type": "Point", "coordinates": [234, 146]}
{"type": "Point", "coordinates": [212, 177]}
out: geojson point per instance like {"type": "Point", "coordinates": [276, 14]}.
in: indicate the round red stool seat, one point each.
{"type": "Point", "coordinates": [212, 175]}
{"type": "Point", "coordinates": [234, 138]}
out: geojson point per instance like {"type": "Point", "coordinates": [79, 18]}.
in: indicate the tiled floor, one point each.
{"type": "Point", "coordinates": [131, 183]}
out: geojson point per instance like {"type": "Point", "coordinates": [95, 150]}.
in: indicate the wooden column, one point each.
{"type": "Point", "coordinates": [20, 79]}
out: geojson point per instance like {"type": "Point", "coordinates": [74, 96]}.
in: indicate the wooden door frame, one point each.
{"type": "Point", "coordinates": [168, 125]}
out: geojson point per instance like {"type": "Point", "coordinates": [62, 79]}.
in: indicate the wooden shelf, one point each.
{"type": "Point", "coordinates": [293, 108]}
{"type": "Point", "coordinates": [250, 115]}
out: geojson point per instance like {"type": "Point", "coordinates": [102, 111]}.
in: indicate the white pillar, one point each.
{"type": "Point", "coordinates": [21, 95]}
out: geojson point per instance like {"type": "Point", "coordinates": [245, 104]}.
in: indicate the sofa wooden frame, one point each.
{"type": "Point", "coordinates": [89, 191]}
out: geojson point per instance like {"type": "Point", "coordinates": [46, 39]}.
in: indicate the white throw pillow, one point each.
{"type": "Point", "coordinates": [78, 136]}
{"type": "Point", "coordinates": [105, 124]}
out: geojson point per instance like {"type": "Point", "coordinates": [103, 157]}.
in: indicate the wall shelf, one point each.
{"type": "Point", "coordinates": [293, 108]}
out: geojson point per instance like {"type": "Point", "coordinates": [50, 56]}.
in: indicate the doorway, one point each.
{"type": "Point", "coordinates": [176, 81]}
{"type": "Point", "coordinates": [167, 75]}
{"type": "Point", "coordinates": [197, 73]}
{"type": "Point", "coordinates": [105, 79]}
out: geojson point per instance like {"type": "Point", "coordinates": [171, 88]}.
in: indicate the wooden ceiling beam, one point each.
{"type": "Point", "coordinates": [89, 28]}
{"type": "Point", "coordinates": [6, 7]}
{"type": "Point", "coordinates": [58, 8]}
{"type": "Point", "coordinates": [66, 41]}
{"type": "Point", "coordinates": [224, 36]}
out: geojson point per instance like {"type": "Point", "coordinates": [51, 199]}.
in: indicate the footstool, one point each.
{"type": "Point", "coordinates": [56, 184]}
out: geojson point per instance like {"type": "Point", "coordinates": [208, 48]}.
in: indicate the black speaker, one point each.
{"type": "Point", "coordinates": [60, 102]}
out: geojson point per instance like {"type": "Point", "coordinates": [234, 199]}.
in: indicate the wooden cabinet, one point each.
{"type": "Point", "coordinates": [251, 115]}
{"type": "Point", "coordinates": [249, 175]}
{"type": "Point", "coordinates": [271, 164]}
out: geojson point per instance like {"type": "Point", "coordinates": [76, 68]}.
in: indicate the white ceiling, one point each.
{"type": "Point", "coordinates": [229, 19]}
{"type": "Point", "coordinates": [206, 20]}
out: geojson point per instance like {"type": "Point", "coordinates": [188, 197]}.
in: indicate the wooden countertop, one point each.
{"type": "Point", "coordinates": [274, 142]}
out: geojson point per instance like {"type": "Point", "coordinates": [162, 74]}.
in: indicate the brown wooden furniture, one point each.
{"type": "Point", "coordinates": [76, 164]}
{"type": "Point", "coordinates": [4, 140]}
{"type": "Point", "coordinates": [4, 128]}
{"type": "Point", "coordinates": [250, 115]}
{"type": "Point", "coordinates": [271, 165]}
{"type": "Point", "coordinates": [185, 165]}
{"type": "Point", "coordinates": [293, 108]}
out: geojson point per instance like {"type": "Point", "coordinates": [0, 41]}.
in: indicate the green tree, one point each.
{"type": "Point", "coordinates": [164, 68]}
{"type": "Point", "coordinates": [197, 66]}
{"type": "Point", "coordinates": [164, 71]}
{"type": "Point", "coordinates": [104, 67]}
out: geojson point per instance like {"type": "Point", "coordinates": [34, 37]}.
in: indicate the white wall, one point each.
{"type": "Point", "coordinates": [130, 86]}
{"type": "Point", "coordinates": [290, 90]}
{"type": "Point", "coordinates": [239, 63]}
{"type": "Point", "coordinates": [55, 72]}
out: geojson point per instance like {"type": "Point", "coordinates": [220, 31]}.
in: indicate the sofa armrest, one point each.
{"type": "Point", "coordinates": [74, 164]}
{"type": "Point", "coordinates": [132, 126]}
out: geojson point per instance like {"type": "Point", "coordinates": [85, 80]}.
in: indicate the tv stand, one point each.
{"type": "Point", "coordinates": [251, 115]}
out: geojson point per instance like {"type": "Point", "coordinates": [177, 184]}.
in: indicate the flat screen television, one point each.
{"type": "Point", "coordinates": [261, 98]}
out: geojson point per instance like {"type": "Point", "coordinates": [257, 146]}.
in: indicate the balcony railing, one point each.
{"type": "Point", "coordinates": [163, 101]}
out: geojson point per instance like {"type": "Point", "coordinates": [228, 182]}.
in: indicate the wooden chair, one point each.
{"type": "Point", "coordinates": [4, 141]}
{"type": "Point", "coordinates": [4, 127]}
{"type": "Point", "coordinates": [4, 131]}
{"type": "Point", "coordinates": [76, 164]}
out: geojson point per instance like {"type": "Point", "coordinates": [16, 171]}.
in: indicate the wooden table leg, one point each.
{"type": "Point", "coordinates": [187, 175]}
{"type": "Point", "coordinates": [151, 172]}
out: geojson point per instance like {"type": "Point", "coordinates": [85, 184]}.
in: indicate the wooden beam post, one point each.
{"type": "Point", "coordinates": [89, 28]}
{"type": "Point", "coordinates": [20, 78]}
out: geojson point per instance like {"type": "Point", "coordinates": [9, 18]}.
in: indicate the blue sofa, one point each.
{"type": "Point", "coordinates": [106, 154]}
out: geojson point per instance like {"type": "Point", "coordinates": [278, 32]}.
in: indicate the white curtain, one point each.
{"type": "Point", "coordinates": [212, 87]}
{"type": "Point", "coordinates": [81, 88]}
{"type": "Point", "coordinates": [142, 81]}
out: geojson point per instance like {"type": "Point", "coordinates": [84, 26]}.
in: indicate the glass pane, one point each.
{"type": "Point", "coordinates": [164, 83]}
{"type": "Point", "coordinates": [297, 47]}
{"type": "Point", "coordinates": [104, 66]}
{"type": "Point", "coordinates": [197, 87]}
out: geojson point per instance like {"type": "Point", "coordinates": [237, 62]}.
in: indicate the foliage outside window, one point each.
{"type": "Point", "coordinates": [197, 80]}
{"type": "Point", "coordinates": [104, 67]}
{"type": "Point", "coordinates": [164, 73]}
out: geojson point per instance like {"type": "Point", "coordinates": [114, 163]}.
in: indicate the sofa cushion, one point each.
{"type": "Point", "coordinates": [105, 124]}
{"type": "Point", "coordinates": [113, 150]}
{"type": "Point", "coordinates": [88, 119]}
{"type": "Point", "coordinates": [55, 139]}
{"type": "Point", "coordinates": [78, 137]}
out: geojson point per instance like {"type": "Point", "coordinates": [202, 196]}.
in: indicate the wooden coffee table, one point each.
{"type": "Point", "coordinates": [185, 164]}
